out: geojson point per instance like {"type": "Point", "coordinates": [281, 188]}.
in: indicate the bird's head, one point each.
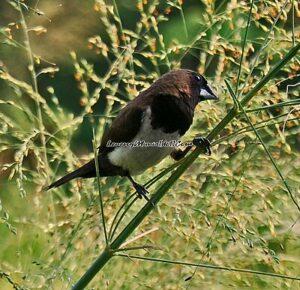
{"type": "Point", "coordinates": [187, 84]}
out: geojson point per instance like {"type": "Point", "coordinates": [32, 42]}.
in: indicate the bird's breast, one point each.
{"type": "Point", "coordinates": [138, 158]}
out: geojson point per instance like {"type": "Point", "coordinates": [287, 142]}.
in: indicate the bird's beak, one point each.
{"type": "Point", "coordinates": [206, 93]}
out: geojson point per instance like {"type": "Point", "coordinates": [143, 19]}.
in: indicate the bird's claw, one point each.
{"type": "Point", "coordinates": [204, 143]}
{"type": "Point", "coordinates": [142, 192]}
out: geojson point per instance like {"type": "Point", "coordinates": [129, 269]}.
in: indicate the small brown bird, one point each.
{"type": "Point", "coordinates": [163, 112]}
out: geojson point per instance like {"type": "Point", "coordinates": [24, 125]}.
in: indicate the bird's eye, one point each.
{"type": "Point", "coordinates": [198, 78]}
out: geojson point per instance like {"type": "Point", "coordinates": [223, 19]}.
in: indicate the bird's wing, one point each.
{"type": "Point", "coordinates": [124, 127]}
{"type": "Point", "coordinates": [171, 114]}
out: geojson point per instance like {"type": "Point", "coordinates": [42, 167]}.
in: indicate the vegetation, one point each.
{"type": "Point", "coordinates": [226, 221]}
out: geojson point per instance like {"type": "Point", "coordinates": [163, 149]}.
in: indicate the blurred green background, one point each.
{"type": "Point", "coordinates": [88, 58]}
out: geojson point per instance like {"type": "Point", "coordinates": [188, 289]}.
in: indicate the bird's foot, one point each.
{"type": "Point", "coordinates": [204, 143]}
{"type": "Point", "coordinates": [142, 192]}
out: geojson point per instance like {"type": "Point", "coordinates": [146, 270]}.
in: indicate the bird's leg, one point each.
{"type": "Point", "coordinates": [202, 142]}
{"type": "Point", "coordinates": [141, 190]}
{"type": "Point", "coordinates": [178, 154]}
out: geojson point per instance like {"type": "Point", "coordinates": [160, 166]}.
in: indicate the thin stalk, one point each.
{"type": "Point", "coordinates": [137, 248]}
{"type": "Point", "coordinates": [163, 189]}
{"type": "Point", "coordinates": [198, 36]}
{"type": "Point", "coordinates": [278, 105]}
{"type": "Point", "coordinates": [264, 146]}
{"type": "Point", "coordinates": [34, 84]}
{"type": "Point", "coordinates": [33, 76]}
{"type": "Point", "coordinates": [263, 46]}
{"type": "Point", "coordinates": [99, 188]}
{"type": "Point", "coordinates": [163, 173]}
{"type": "Point", "coordinates": [139, 236]}
{"type": "Point", "coordinates": [76, 229]}
{"type": "Point", "coordinates": [125, 40]}
{"type": "Point", "coordinates": [118, 213]}
{"type": "Point", "coordinates": [241, 130]}
{"type": "Point", "coordinates": [122, 216]}
{"type": "Point", "coordinates": [210, 266]}
{"type": "Point", "coordinates": [293, 21]}
{"type": "Point", "coordinates": [243, 47]}
{"type": "Point", "coordinates": [72, 237]}
{"type": "Point", "coordinates": [20, 45]}
{"type": "Point", "coordinates": [183, 21]}
{"type": "Point", "coordinates": [249, 129]}
{"type": "Point", "coordinates": [292, 52]}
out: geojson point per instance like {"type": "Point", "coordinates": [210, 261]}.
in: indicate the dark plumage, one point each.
{"type": "Point", "coordinates": [164, 111]}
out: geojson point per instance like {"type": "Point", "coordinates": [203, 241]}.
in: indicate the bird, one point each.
{"type": "Point", "coordinates": [162, 112]}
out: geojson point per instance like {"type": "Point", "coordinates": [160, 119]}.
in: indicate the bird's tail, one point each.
{"type": "Point", "coordinates": [85, 171]}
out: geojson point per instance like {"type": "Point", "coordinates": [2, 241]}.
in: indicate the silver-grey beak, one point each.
{"type": "Point", "coordinates": [206, 93]}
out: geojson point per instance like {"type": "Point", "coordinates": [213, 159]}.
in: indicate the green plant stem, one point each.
{"type": "Point", "coordinates": [106, 255]}
{"type": "Point", "coordinates": [20, 45]}
{"type": "Point", "coordinates": [136, 248]}
{"type": "Point", "coordinates": [293, 21]}
{"type": "Point", "coordinates": [162, 190]}
{"type": "Point", "coordinates": [263, 46]}
{"type": "Point", "coordinates": [76, 229]}
{"type": "Point", "coordinates": [243, 47]}
{"type": "Point", "coordinates": [35, 85]}
{"type": "Point", "coordinates": [125, 39]}
{"type": "Point", "coordinates": [126, 209]}
{"type": "Point", "coordinates": [99, 188]}
{"type": "Point", "coordinates": [209, 266]}
{"type": "Point", "coordinates": [38, 100]}
{"type": "Point", "coordinates": [127, 200]}
{"type": "Point", "coordinates": [246, 129]}
{"type": "Point", "coordinates": [183, 21]}
{"type": "Point", "coordinates": [278, 105]}
{"type": "Point", "coordinates": [157, 177]}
